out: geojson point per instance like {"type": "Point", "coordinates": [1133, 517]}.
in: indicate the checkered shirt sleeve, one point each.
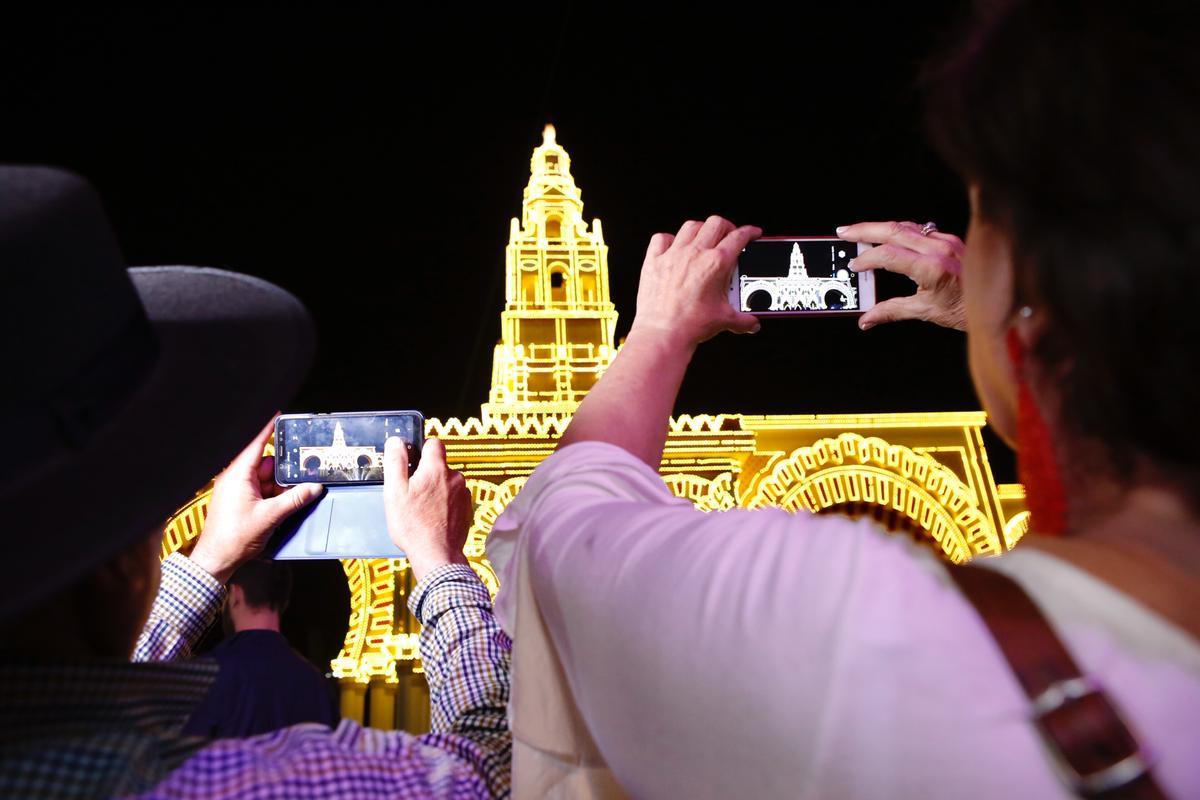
{"type": "Point", "coordinates": [188, 601]}
{"type": "Point", "coordinates": [467, 661]}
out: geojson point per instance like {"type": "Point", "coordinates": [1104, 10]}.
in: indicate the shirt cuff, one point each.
{"type": "Point", "coordinates": [448, 586]}
{"type": "Point", "coordinates": [189, 598]}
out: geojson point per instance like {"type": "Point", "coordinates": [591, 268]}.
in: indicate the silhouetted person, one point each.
{"type": "Point", "coordinates": [263, 684]}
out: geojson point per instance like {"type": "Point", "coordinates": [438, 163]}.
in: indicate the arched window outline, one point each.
{"type": "Point", "coordinates": [559, 278]}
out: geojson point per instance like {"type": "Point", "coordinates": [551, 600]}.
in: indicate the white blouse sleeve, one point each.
{"type": "Point", "coordinates": [669, 622]}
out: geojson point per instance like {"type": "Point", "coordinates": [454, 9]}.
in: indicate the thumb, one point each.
{"type": "Point", "coordinates": [395, 464]}
{"type": "Point", "coordinates": [894, 310]}
{"type": "Point", "coordinates": [743, 322]}
{"type": "Point", "coordinates": [278, 508]}
{"type": "Point", "coordinates": [433, 457]}
{"type": "Point", "coordinates": [247, 461]}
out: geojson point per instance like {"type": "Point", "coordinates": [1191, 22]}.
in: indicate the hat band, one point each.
{"type": "Point", "coordinates": [84, 403]}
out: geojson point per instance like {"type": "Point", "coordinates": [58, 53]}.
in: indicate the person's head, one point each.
{"type": "Point", "coordinates": [1076, 126]}
{"type": "Point", "coordinates": [258, 595]}
{"type": "Point", "coordinates": [142, 393]}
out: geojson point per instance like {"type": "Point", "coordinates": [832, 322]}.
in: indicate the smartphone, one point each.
{"type": "Point", "coordinates": [342, 448]}
{"type": "Point", "coordinates": [790, 276]}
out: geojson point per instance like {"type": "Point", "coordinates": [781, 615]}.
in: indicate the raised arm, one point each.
{"type": "Point", "coordinates": [683, 300]}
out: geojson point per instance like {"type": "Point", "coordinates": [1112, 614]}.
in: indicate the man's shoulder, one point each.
{"type": "Point", "coordinates": [260, 648]}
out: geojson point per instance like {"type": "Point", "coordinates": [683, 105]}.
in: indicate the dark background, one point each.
{"type": "Point", "coordinates": [369, 159]}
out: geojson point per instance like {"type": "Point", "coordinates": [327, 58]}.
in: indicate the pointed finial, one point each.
{"type": "Point", "coordinates": [548, 135]}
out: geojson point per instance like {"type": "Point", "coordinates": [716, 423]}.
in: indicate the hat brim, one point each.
{"type": "Point", "coordinates": [232, 350]}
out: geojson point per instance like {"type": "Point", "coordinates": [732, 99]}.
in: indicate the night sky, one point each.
{"type": "Point", "coordinates": [369, 160]}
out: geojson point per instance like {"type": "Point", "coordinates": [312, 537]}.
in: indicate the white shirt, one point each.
{"type": "Point", "coordinates": [757, 654]}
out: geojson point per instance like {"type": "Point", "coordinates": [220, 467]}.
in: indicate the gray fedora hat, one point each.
{"type": "Point", "coordinates": [123, 390]}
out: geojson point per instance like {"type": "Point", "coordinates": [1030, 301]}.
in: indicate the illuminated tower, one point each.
{"type": "Point", "coordinates": [558, 322]}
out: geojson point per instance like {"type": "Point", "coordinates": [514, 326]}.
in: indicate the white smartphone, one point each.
{"type": "Point", "coordinates": [800, 276]}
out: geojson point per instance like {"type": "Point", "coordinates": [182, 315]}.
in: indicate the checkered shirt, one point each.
{"type": "Point", "coordinates": [97, 729]}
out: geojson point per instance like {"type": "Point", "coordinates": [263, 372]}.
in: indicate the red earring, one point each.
{"type": "Point", "coordinates": [1037, 465]}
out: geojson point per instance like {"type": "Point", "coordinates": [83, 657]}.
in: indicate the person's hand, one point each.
{"type": "Point", "coordinates": [245, 508]}
{"type": "Point", "coordinates": [934, 262]}
{"type": "Point", "coordinates": [683, 296]}
{"type": "Point", "coordinates": [428, 515]}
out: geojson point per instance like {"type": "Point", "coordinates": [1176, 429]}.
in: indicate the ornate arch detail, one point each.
{"type": "Point", "coordinates": [373, 644]}
{"type": "Point", "coordinates": [489, 499]}
{"type": "Point", "coordinates": [855, 469]}
{"type": "Point", "coordinates": [1015, 528]}
{"type": "Point", "coordinates": [185, 524]}
{"type": "Point", "coordinates": [707, 495]}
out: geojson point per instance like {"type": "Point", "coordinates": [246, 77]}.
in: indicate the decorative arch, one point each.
{"type": "Point", "coordinates": [855, 469]}
{"type": "Point", "coordinates": [185, 524]}
{"type": "Point", "coordinates": [1016, 528]}
{"type": "Point", "coordinates": [374, 642]}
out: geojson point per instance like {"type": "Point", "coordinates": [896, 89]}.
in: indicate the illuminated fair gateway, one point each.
{"type": "Point", "coordinates": [924, 473]}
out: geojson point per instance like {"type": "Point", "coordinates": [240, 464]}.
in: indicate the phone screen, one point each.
{"type": "Point", "coordinates": [342, 448]}
{"type": "Point", "coordinates": [796, 276]}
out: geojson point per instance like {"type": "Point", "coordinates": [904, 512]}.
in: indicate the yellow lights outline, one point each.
{"type": "Point", "coordinates": [857, 469]}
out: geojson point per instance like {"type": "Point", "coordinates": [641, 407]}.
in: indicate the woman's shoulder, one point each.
{"type": "Point", "coordinates": [1082, 606]}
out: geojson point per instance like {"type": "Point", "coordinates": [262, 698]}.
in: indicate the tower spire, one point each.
{"type": "Point", "coordinates": [558, 325]}
{"type": "Point", "coordinates": [796, 268]}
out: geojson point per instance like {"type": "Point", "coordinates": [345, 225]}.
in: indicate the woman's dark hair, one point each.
{"type": "Point", "coordinates": [265, 584]}
{"type": "Point", "coordinates": [1079, 122]}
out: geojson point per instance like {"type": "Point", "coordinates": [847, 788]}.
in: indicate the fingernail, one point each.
{"type": "Point", "coordinates": [756, 328]}
{"type": "Point", "coordinates": [851, 265]}
{"type": "Point", "coordinates": [866, 326]}
{"type": "Point", "coordinates": [392, 443]}
{"type": "Point", "coordinates": [842, 229]}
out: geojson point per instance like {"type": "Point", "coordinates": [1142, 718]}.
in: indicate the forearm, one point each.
{"type": "Point", "coordinates": [188, 601]}
{"type": "Point", "coordinates": [465, 654]}
{"type": "Point", "coordinates": [467, 660]}
{"type": "Point", "coordinates": [630, 406]}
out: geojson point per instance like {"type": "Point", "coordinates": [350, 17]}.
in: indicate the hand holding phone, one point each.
{"type": "Point", "coordinates": [787, 276]}
{"type": "Point", "coordinates": [245, 507]}
{"type": "Point", "coordinates": [932, 259]}
{"type": "Point", "coordinates": [682, 291]}
{"type": "Point", "coordinates": [429, 513]}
